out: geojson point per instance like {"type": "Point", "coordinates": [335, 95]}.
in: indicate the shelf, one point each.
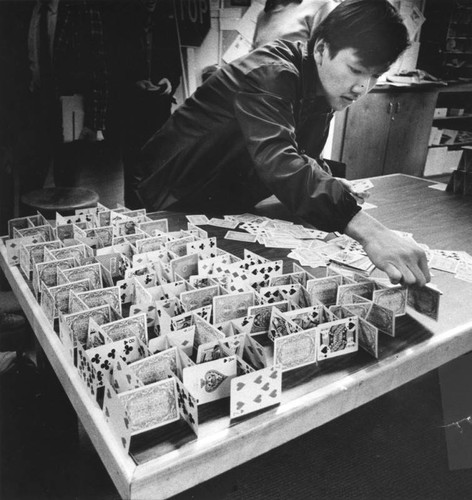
{"type": "Point", "coordinates": [446, 119]}
{"type": "Point", "coordinates": [452, 146]}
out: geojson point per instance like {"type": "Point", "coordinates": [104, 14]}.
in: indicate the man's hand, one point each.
{"type": "Point", "coordinates": [360, 196]}
{"type": "Point", "coordinates": [401, 259]}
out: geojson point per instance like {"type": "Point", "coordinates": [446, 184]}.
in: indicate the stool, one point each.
{"type": "Point", "coordinates": [60, 199]}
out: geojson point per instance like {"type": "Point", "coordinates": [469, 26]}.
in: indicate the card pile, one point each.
{"type": "Point", "coordinates": [160, 322]}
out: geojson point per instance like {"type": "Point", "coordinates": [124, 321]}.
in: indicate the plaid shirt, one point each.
{"type": "Point", "coordinates": [78, 56]}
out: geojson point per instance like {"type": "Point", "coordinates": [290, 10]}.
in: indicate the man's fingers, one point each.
{"type": "Point", "coordinates": [393, 274]}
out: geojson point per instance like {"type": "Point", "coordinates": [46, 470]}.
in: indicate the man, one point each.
{"type": "Point", "coordinates": [248, 133]}
{"type": "Point", "coordinates": [146, 72]}
{"type": "Point", "coordinates": [67, 57]}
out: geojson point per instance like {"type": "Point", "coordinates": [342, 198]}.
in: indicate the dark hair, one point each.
{"type": "Point", "coordinates": [271, 4]}
{"type": "Point", "coordinates": [372, 27]}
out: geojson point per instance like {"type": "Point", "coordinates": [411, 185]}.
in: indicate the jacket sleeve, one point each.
{"type": "Point", "coordinates": [268, 125]}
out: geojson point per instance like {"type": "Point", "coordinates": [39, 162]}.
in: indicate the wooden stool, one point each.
{"type": "Point", "coordinates": [60, 199]}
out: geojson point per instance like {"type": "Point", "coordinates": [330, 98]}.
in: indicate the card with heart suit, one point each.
{"type": "Point", "coordinates": [255, 391]}
{"type": "Point", "coordinates": [210, 381]}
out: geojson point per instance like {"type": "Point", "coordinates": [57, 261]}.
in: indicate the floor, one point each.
{"type": "Point", "coordinates": [392, 448]}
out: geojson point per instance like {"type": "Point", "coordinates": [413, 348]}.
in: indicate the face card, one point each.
{"type": "Point", "coordinates": [263, 313]}
{"type": "Point", "coordinates": [393, 298]}
{"type": "Point", "coordinates": [425, 300]}
{"type": "Point", "coordinates": [306, 318]}
{"type": "Point", "coordinates": [151, 406]}
{"type": "Point", "coordinates": [280, 326]}
{"type": "Point", "coordinates": [337, 338]}
{"type": "Point", "coordinates": [232, 306]}
{"type": "Point", "coordinates": [255, 391]}
{"type": "Point", "coordinates": [295, 350]}
{"type": "Point", "coordinates": [210, 381]}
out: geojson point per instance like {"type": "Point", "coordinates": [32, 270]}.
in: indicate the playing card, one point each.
{"type": "Point", "coordinates": [231, 306]}
{"type": "Point", "coordinates": [205, 332]}
{"type": "Point", "coordinates": [337, 338]}
{"type": "Point", "coordinates": [239, 236]}
{"type": "Point", "coordinates": [255, 391]}
{"type": "Point", "coordinates": [77, 323]}
{"type": "Point", "coordinates": [262, 315]}
{"type": "Point", "coordinates": [393, 298]}
{"type": "Point", "coordinates": [205, 249]}
{"type": "Point", "coordinates": [382, 318]}
{"type": "Point", "coordinates": [195, 299]}
{"type": "Point", "coordinates": [197, 220]}
{"type": "Point", "coordinates": [188, 406]}
{"type": "Point", "coordinates": [308, 317]}
{"type": "Point", "coordinates": [368, 337]}
{"type": "Point", "coordinates": [228, 224]}
{"type": "Point", "coordinates": [133, 326]}
{"type": "Point", "coordinates": [102, 296]}
{"type": "Point", "coordinates": [92, 272]}
{"type": "Point", "coordinates": [55, 299]}
{"type": "Point", "coordinates": [116, 417]}
{"type": "Point", "coordinates": [210, 381]}
{"type": "Point", "coordinates": [324, 290]}
{"type": "Point", "coordinates": [155, 367]}
{"type": "Point", "coordinates": [280, 326]}
{"type": "Point", "coordinates": [295, 350]}
{"type": "Point", "coordinates": [184, 266]}
{"type": "Point", "coordinates": [345, 292]}
{"type": "Point", "coordinates": [155, 226]}
{"type": "Point", "coordinates": [425, 300]}
{"type": "Point", "coordinates": [151, 406]}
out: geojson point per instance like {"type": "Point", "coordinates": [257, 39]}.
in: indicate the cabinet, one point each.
{"type": "Point", "coordinates": [385, 132]}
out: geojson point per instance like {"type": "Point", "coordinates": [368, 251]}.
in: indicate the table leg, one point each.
{"type": "Point", "coordinates": [455, 382]}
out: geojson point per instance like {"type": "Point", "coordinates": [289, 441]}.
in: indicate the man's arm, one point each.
{"type": "Point", "coordinates": [401, 259]}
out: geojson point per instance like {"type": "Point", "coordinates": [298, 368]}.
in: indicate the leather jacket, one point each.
{"type": "Point", "coordinates": [253, 129]}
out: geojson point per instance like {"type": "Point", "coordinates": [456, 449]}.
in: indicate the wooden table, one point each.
{"type": "Point", "coordinates": [165, 464]}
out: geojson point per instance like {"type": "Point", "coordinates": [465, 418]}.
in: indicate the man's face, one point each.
{"type": "Point", "coordinates": [343, 78]}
